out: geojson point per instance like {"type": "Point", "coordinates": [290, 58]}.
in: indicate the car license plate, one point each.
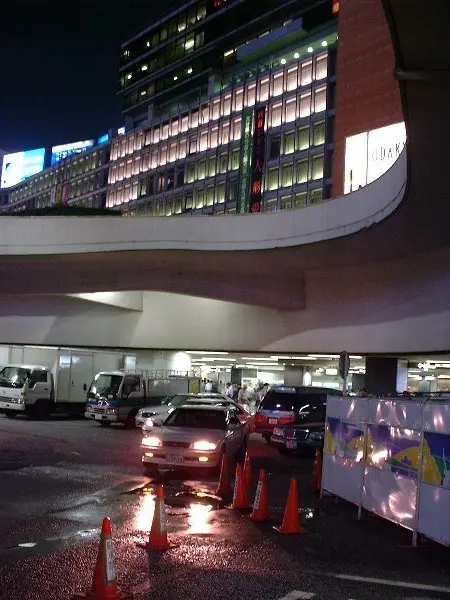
{"type": "Point", "coordinates": [291, 445]}
{"type": "Point", "coordinates": [273, 421]}
{"type": "Point", "coordinates": [174, 458]}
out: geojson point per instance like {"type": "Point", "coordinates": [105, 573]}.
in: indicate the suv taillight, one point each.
{"type": "Point", "coordinates": [260, 418]}
{"type": "Point", "coordinates": [286, 420]}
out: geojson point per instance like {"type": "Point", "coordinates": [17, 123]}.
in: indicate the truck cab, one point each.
{"type": "Point", "coordinates": [26, 389]}
{"type": "Point", "coordinates": [115, 397]}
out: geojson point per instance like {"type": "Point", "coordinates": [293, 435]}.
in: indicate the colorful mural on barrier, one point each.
{"type": "Point", "coordinates": [396, 450]}
{"type": "Point", "coordinates": [344, 439]}
{"type": "Point", "coordinates": [436, 459]}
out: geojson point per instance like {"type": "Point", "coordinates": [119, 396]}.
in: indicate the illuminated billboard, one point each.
{"type": "Point", "coordinates": [65, 150]}
{"type": "Point", "coordinates": [370, 154]}
{"type": "Point", "coordinates": [20, 165]}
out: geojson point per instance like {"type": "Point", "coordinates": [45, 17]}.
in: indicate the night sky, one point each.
{"type": "Point", "coordinates": [59, 67]}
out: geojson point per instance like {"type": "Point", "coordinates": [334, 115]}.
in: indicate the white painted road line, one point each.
{"type": "Point", "coordinates": [298, 595]}
{"type": "Point", "coordinates": [391, 582]}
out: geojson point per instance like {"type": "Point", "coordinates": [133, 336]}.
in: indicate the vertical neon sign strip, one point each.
{"type": "Point", "coordinates": [245, 159]}
{"type": "Point", "coordinates": [258, 156]}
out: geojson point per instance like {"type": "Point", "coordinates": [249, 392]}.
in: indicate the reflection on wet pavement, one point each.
{"type": "Point", "coordinates": [199, 515]}
{"type": "Point", "coordinates": [144, 514]}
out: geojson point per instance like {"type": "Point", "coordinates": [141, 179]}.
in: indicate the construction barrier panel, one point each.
{"type": "Point", "coordinates": [391, 456]}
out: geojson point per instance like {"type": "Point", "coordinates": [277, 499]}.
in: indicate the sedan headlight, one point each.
{"type": "Point", "coordinates": [203, 446]}
{"type": "Point", "coordinates": [316, 435]}
{"type": "Point", "coordinates": [277, 431]}
{"type": "Point", "coordinates": [151, 442]}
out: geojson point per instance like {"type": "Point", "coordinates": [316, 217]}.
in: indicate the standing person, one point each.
{"type": "Point", "coordinates": [262, 392]}
{"type": "Point", "coordinates": [242, 395]}
{"type": "Point", "coordinates": [249, 397]}
{"type": "Point", "coordinates": [208, 387]}
{"type": "Point", "coordinates": [230, 391]}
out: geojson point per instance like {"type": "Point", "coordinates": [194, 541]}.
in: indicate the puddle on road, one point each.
{"type": "Point", "coordinates": [50, 544]}
{"type": "Point", "coordinates": [196, 505]}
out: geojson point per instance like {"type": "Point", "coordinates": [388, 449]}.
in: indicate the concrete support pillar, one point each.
{"type": "Point", "coordinates": [293, 375]}
{"type": "Point", "coordinates": [236, 376]}
{"type": "Point", "coordinates": [386, 375]}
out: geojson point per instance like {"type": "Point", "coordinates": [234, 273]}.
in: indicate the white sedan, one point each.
{"type": "Point", "coordinates": [169, 404]}
{"type": "Point", "coordinates": [193, 437]}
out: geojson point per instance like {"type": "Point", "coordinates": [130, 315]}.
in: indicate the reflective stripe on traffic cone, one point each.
{"type": "Point", "coordinates": [240, 491]}
{"type": "Point", "coordinates": [317, 471]}
{"type": "Point", "coordinates": [224, 487]}
{"type": "Point", "coordinates": [291, 520]}
{"type": "Point", "coordinates": [260, 508]}
{"type": "Point", "coordinates": [104, 585]}
{"type": "Point", "coordinates": [247, 470]}
{"type": "Point", "coordinates": [158, 539]}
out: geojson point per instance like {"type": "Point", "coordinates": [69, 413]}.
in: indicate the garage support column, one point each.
{"type": "Point", "coordinates": [386, 375]}
{"type": "Point", "coordinates": [293, 375]}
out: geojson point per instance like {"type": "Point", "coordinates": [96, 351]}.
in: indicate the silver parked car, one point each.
{"type": "Point", "coordinates": [168, 405]}
{"type": "Point", "coordinates": [193, 437]}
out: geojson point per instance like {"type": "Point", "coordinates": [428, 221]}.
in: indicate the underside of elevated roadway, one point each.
{"type": "Point", "coordinates": [369, 271]}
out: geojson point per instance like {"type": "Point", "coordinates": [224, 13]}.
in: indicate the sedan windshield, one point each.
{"type": "Point", "coordinates": [201, 419]}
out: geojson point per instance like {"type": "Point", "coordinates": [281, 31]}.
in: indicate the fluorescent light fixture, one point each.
{"type": "Point", "coordinates": [323, 355]}
{"type": "Point", "coordinates": [296, 55]}
{"type": "Point", "coordinates": [205, 352]}
{"type": "Point", "coordinates": [355, 356]}
{"type": "Point", "coordinates": [189, 70]}
{"type": "Point", "coordinates": [130, 75]}
{"type": "Point", "coordinates": [144, 68]}
{"type": "Point", "coordinates": [228, 52]}
{"type": "Point", "coordinates": [303, 358]}
{"type": "Point", "coordinates": [430, 378]}
{"type": "Point", "coordinates": [331, 371]}
{"type": "Point", "coordinates": [189, 44]}
{"type": "Point", "coordinates": [256, 358]}
{"type": "Point", "coordinates": [310, 49]}
{"type": "Point", "coordinates": [175, 77]}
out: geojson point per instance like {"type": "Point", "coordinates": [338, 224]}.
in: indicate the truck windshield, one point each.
{"type": "Point", "coordinates": [13, 377]}
{"type": "Point", "coordinates": [105, 385]}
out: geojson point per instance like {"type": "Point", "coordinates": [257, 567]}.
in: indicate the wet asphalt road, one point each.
{"type": "Point", "coordinates": [59, 478]}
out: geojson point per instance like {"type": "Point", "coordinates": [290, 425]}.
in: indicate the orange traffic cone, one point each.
{"type": "Point", "coordinates": [240, 491]}
{"type": "Point", "coordinates": [224, 487]}
{"type": "Point", "coordinates": [158, 539]}
{"type": "Point", "coordinates": [291, 520]}
{"type": "Point", "coordinates": [260, 508]}
{"type": "Point", "coordinates": [104, 585]}
{"type": "Point", "coordinates": [317, 471]}
{"type": "Point", "coordinates": [247, 470]}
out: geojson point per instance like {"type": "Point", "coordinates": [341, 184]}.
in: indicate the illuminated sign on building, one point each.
{"type": "Point", "coordinates": [245, 153]}
{"type": "Point", "coordinates": [103, 139]}
{"type": "Point", "coordinates": [20, 165]}
{"type": "Point", "coordinates": [370, 154]}
{"type": "Point", "coordinates": [258, 156]}
{"type": "Point", "coordinates": [61, 152]}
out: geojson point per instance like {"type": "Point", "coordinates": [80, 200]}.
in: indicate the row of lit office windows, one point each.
{"type": "Point", "coordinates": [166, 207]}
{"type": "Point", "coordinates": [287, 175]}
{"type": "Point", "coordinates": [167, 30]}
{"type": "Point", "coordinates": [219, 134]}
{"type": "Point", "coordinates": [77, 166]}
{"type": "Point", "coordinates": [268, 86]}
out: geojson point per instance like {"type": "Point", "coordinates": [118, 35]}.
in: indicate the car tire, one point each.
{"type": "Point", "coordinates": [105, 423]}
{"type": "Point", "coordinates": [10, 414]}
{"type": "Point", "coordinates": [267, 437]}
{"type": "Point", "coordinates": [130, 423]}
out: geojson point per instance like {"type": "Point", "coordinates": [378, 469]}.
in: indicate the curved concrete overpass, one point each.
{"type": "Point", "coordinates": [379, 256]}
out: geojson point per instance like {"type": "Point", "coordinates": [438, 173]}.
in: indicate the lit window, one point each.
{"type": "Point", "coordinates": [287, 175]}
{"type": "Point", "coordinates": [189, 45]}
{"type": "Point", "coordinates": [144, 68]}
{"type": "Point", "coordinates": [286, 202]}
{"type": "Point", "coordinates": [199, 198]}
{"type": "Point", "coordinates": [306, 77]}
{"type": "Point", "coordinates": [201, 170]}
{"type": "Point", "coordinates": [272, 178]}
{"type": "Point", "coordinates": [305, 105]}
{"type": "Point", "coordinates": [251, 95]}
{"type": "Point", "coordinates": [291, 79]}
{"type": "Point", "coordinates": [302, 171]}
{"type": "Point", "coordinates": [300, 200]}
{"type": "Point", "coordinates": [277, 84]}
{"type": "Point", "coordinates": [316, 196]}
{"type": "Point", "coordinates": [317, 167]}
{"type": "Point", "coordinates": [194, 118]}
{"type": "Point", "coordinates": [175, 77]}
{"type": "Point", "coordinates": [226, 105]}
{"type": "Point", "coordinates": [209, 196]}
{"type": "Point", "coordinates": [276, 114]}
{"type": "Point", "coordinates": [319, 133]}
{"type": "Point", "coordinates": [321, 66]}
{"type": "Point", "coordinates": [289, 142]}
{"type": "Point", "coordinates": [320, 99]}
{"type": "Point", "coordinates": [263, 89]}
{"type": "Point", "coordinates": [130, 75]}
{"type": "Point", "coordinates": [189, 71]}
{"type": "Point", "coordinates": [290, 110]}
